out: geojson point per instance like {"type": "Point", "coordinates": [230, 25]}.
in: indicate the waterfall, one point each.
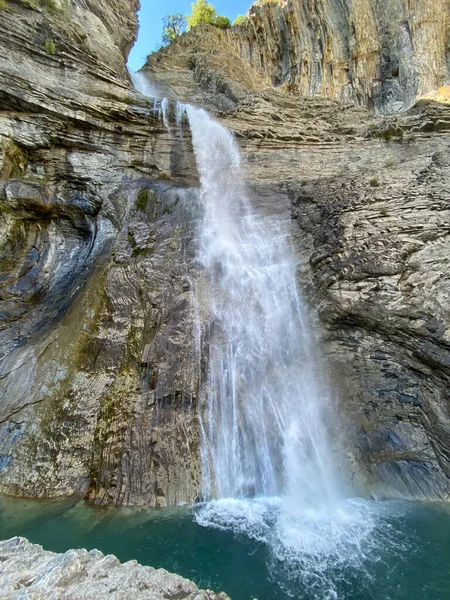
{"type": "Point", "coordinates": [266, 407]}
{"type": "Point", "coordinates": [268, 469]}
{"type": "Point", "coordinates": [142, 84]}
{"type": "Point", "coordinates": [160, 105]}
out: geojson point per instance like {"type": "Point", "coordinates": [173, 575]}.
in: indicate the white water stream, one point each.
{"type": "Point", "coordinates": [266, 412]}
{"type": "Point", "coordinates": [268, 469]}
{"type": "Point", "coordinates": [160, 105]}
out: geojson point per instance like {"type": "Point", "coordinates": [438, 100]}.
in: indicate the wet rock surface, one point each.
{"type": "Point", "coordinates": [373, 219]}
{"type": "Point", "coordinates": [28, 571]}
{"type": "Point", "coordinates": [100, 364]}
{"type": "Point", "coordinates": [369, 204]}
{"type": "Point", "coordinates": [93, 267]}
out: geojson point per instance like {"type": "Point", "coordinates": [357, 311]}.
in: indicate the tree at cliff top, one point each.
{"type": "Point", "coordinates": [204, 12]}
{"type": "Point", "coordinates": [239, 20]}
{"type": "Point", "coordinates": [174, 26]}
{"type": "Point", "coordinates": [222, 22]}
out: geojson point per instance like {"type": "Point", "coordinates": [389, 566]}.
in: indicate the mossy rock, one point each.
{"type": "Point", "coordinates": [50, 47]}
{"type": "Point", "coordinates": [15, 161]}
{"type": "Point", "coordinates": [49, 6]}
{"type": "Point", "coordinates": [142, 200]}
{"type": "Point", "coordinates": [148, 202]}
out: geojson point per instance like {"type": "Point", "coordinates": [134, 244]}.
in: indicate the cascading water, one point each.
{"type": "Point", "coordinates": [142, 84]}
{"type": "Point", "coordinates": [160, 105]}
{"type": "Point", "coordinates": [265, 418]}
{"type": "Point", "coordinates": [268, 471]}
{"type": "Point", "coordinates": [267, 465]}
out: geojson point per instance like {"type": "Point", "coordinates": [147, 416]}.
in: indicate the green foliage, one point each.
{"type": "Point", "coordinates": [142, 200]}
{"type": "Point", "coordinates": [49, 5]}
{"type": "Point", "coordinates": [15, 161]}
{"type": "Point", "coordinates": [174, 26]}
{"type": "Point", "coordinates": [384, 211]}
{"type": "Point", "coordinates": [239, 20]}
{"type": "Point", "coordinates": [3, 5]}
{"type": "Point", "coordinates": [222, 22]}
{"type": "Point", "coordinates": [202, 12]}
{"type": "Point", "coordinates": [50, 46]}
{"type": "Point", "coordinates": [374, 182]}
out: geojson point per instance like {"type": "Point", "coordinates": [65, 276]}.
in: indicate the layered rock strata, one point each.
{"type": "Point", "coordinates": [369, 203]}
{"type": "Point", "coordinates": [96, 382]}
{"type": "Point", "coordinates": [381, 55]}
{"type": "Point", "coordinates": [101, 361]}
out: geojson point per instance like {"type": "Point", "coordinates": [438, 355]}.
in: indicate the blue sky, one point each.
{"type": "Point", "coordinates": [152, 13]}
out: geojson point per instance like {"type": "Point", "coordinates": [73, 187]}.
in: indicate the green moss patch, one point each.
{"type": "Point", "coordinates": [15, 161]}
{"type": "Point", "coordinates": [142, 200]}
{"type": "Point", "coordinates": [50, 47]}
{"type": "Point", "coordinates": [49, 6]}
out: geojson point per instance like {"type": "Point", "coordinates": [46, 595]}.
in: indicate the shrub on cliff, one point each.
{"type": "Point", "coordinates": [239, 20]}
{"type": "Point", "coordinates": [222, 22]}
{"type": "Point", "coordinates": [49, 5]}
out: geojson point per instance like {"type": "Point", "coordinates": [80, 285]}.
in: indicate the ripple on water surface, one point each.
{"type": "Point", "coordinates": [262, 548]}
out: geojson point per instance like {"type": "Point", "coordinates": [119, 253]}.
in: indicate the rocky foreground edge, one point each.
{"type": "Point", "coordinates": [29, 571]}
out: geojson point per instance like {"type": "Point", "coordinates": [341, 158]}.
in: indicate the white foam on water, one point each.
{"type": "Point", "coordinates": [268, 467]}
{"type": "Point", "coordinates": [315, 549]}
{"type": "Point", "coordinates": [253, 518]}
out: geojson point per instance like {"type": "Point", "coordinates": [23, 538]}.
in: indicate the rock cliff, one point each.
{"type": "Point", "coordinates": [100, 367]}
{"type": "Point", "coordinates": [382, 55]}
{"type": "Point", "coordinates": [92, 266]}
{"type": "Point", "coordinates": [369, 200]}
{"type": "Point", "coordinates": [377, 54]}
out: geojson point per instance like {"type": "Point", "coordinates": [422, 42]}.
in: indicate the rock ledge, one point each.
{"type": "Point", "coordinates": [28, 571]}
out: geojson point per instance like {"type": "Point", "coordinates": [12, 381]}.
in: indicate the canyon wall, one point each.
{"type": "Point", "coordinates": [100, 364]}
{"type": "Point", "coordinates": [90, 232]}
{"type": "Point", "coordinates": [369, 198]}
{"type": "Point", "coordinates": [372, 52]}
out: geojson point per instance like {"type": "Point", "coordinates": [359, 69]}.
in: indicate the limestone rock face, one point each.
{"type": "Point", "coordinates": [100, 366]}
{"type": "Point", "coordinates": [92, 285]}
{"type": "Point", "coordinates": [373, 217]}
{"type": "Point", "coordinates": [369, 201]}
{"type": "Point", "coordinates": [378, 54]}
{"type": "Point", "coordinates": [381, 55]}
{"type": "Point", "coordinates": [28, 569]}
